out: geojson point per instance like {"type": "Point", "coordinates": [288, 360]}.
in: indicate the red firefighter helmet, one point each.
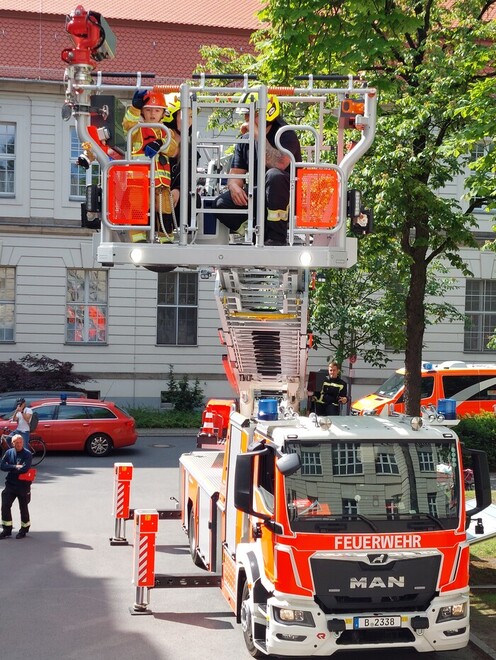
{"type": "Point", "coordinates": [155, 100]}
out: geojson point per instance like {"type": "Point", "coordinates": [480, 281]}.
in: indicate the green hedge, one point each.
{"type": "Point", "coordinates": [479, 432]}
{"type": "Point", "coordinates": [151, 418]}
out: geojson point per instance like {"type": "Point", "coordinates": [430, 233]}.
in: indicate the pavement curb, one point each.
{"type": "Point", "coordinates": [167, 432]}
{"type": "Point", "coordinates": [485, 650]}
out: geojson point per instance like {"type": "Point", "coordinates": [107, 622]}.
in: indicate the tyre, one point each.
{"type": "Point", "coordinates": [99, 445]}
{"type": "Point", "coordinates": [38, 448]}
{"type": "Point", "coordinates": [193, 545]}
{"type": "Point", "coordinates": [247, 624]}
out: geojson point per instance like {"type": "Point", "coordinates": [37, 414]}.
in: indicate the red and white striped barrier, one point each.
{"type": "Point", "coordinates": [123, 475]}
{"type": "Point", "coordinates": [145, 530]}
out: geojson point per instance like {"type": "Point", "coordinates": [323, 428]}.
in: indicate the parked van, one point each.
{"type": "Point", "coordinates": [471, 386]}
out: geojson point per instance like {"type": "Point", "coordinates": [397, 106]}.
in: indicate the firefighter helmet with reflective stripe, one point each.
{"type": "Point", "coordinates": [173, 105]}
{"type": "Point", "coordinates": [273, 106]}
{"type": "Point", "coordinates": [155, 100]}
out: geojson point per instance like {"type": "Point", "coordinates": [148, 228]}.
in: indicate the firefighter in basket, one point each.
{"type": "Point", "coordinates": [149, 107]}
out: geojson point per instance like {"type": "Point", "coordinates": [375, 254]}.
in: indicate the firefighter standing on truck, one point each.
{"type": "Point", "coordinates": [149, 107]}
{"type": "Point", "coordinates": [333, 393]}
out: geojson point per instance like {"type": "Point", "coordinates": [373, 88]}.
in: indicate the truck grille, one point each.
{"type": "Point", "coordinates": [356, 586]}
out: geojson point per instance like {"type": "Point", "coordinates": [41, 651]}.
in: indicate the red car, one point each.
{"type": "Point", "coordinates": [77, 424]}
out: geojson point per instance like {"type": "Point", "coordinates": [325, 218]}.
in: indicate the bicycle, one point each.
{"type": "Point", "coordinates": [35, 445]}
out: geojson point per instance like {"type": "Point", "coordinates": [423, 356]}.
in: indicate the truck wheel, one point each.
{"type": "Point", "coordinates": [247, 624]}
{"type": "Point", "coordinates": [193, 545]}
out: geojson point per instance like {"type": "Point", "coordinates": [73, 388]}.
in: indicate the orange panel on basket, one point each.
{"type": "Point", "coordinates": [317, 198]}
{"type": "Point", "coordinates": [128, 196]}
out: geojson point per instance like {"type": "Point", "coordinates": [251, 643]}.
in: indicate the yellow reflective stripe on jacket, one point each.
{"type": "Point", "coordinates": [275, 216]}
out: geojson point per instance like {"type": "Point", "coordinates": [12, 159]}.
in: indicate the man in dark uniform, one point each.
{"type": "Point", "coordinates": [333, 393]}
{"type": "Point", "coordinates": [276, 175]}
{"type": "Point", "coordinates": [15, 462]}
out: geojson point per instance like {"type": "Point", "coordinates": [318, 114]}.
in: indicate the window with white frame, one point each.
{"type": "Point", "coordinates": [7, 303]}
{"type": "Point", "coordinates": [432, 504]}
{"type": "Point", "coordinates": [177, 309]}
{"type": "Point", "coordinates": [80, 178]}
{"type": "Point", "coordinates": [346, 459]}
{"type": "Point", "coordinates": [385, 463]}
{"type": "Point", "coordinates": [480, 312]}
{"type": "Point", "coordinates": [350, 506]}
{"type": "Point", "coordinates": [480, 150]}
{"type": "Point", "coordinates": [78, 174]}
{"type": "Point", "coordinates": [310, 463]}
{"type": "Point", "coordinates": [426, 461]}
{"type": "Point", "coordinates": [86, 306]}
{"type": "Point", "coordinates": [7, 159]}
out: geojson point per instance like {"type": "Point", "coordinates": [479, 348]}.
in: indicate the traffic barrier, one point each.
{"type": "Point", "coordinates": [123, 474]}
{"type": "Point", "coordinates": [145, 530]}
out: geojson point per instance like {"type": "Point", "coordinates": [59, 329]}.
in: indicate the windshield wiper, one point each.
{"type": "Point", "coordinates": [367, 520]}
{"type": "Point", "coordinates": [429, 516]}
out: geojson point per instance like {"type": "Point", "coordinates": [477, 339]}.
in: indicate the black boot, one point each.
{"type": "Point", "coordinates": [6, 532]}
{"type": "Point", "coordinates": [21, 534]}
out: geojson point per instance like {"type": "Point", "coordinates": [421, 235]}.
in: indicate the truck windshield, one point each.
{"type": "Point", "coordinates": [374, 486]}
{"type": "Point", "coordinates": [391, 386]}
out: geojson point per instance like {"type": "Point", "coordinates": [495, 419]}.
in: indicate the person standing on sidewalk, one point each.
{"type": "Point", "coordinates": [15, 462]}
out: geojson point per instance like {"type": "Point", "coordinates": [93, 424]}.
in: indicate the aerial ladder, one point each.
{"type": "Point", "coordinates": [261, 291]}
{"type": "Point", "coordinates": [327, 534]}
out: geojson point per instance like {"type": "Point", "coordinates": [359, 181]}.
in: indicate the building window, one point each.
{"type": "Point", "coordinates": [482, 150]}
{"type": "Point", "coordinates": [310, 463]}
{"type": "Point", "coordinates": [78, 174]}
{"type": "Point", "coordinates": [86, 306]}
{"type": "Point", "coordinates": [426, 461]}
{"type": "Point", "coordinates": [7, 159]}
{"type": "Point", "coordinates": [386, 464]}
{"type": "Point", "coordinates": [177, 309]}
{"type": "Point", "coordinates": [480, 310]}
{"type": "Point", "coordinates": [7, 303]}
{"type": "Point", "coordinates": [392, 507]}
{"type": "Point", "coordinates": [432, 503]}
{"type": "Point", "coordinates": [346, 459]}
{"type": "Point", "coordinates": [350, 507]}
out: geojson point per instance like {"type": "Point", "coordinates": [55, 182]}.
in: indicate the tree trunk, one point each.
{"type": "Point", "coordinates": [415, 327]}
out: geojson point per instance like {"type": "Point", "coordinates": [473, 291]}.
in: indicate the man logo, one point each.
{"type": "Point", "coordinates": [378, 559]}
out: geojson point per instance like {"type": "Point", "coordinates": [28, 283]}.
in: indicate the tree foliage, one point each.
{"type": "Point", "coordinates": [357, 312]}
{"type": "Point", "coordinates": [33, 372]}
{"type": "Point", "coordinates": [432, 63]}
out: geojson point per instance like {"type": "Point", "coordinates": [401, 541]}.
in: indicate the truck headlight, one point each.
{"type": "Point", "coordinates": [373, 411]}
{"type": "Point", "coordinates": [293, 617]}
{"type": "Point", "coordinates": [450, 612]}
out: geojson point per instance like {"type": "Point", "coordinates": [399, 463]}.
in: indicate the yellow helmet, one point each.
{"type": "Point", "coordinates": [273, 106]}
{"type": "Point", "coordinates": [155, 100]}
{"type": "Point", "coordinates": [173, 106]}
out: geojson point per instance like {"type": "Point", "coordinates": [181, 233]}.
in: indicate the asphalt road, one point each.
{"type": "Point", "coordinates": [66, 593]}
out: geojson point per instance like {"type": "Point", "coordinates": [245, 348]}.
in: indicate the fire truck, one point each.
{"type": "Point", "coordinates": [329, 533]}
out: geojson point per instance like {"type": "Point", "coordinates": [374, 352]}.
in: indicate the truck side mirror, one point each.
{"type": "Point", "coordinates": [482, 482]}
{"type": "Point", "coordinates": [288, 464]}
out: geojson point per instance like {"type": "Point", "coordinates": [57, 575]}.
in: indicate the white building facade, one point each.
{"type": "Point", "coordinates": [125, 326]}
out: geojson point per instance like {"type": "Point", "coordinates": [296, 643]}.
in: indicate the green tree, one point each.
{"type": "Point", "coordinates": [358, 311]}
{"type": "Point", "coordinates": [432, 62]}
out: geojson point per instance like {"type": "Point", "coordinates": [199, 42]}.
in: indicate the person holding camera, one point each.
{"type": "Point", "coordinates": [22, 416]}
